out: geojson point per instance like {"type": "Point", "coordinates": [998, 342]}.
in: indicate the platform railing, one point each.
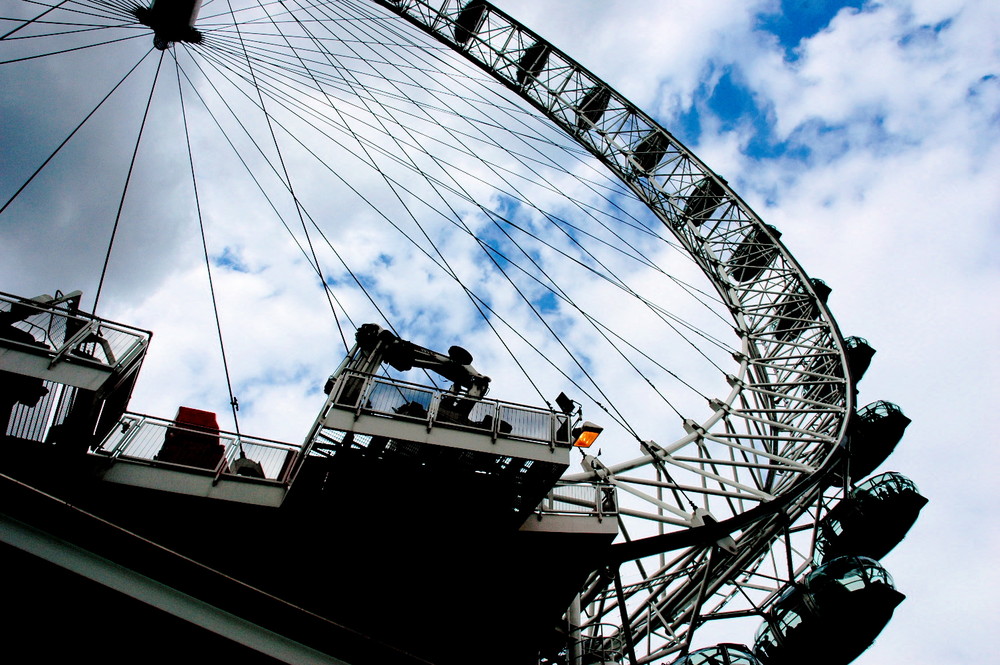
{"type": "Point", "coordinates": [34, 422]}
{"type": "Point", "coordinates": [588, 499]}
{"type": "Point", "coordinates": [602, 643]}
{"type": "Point", "coordinates": [383, 396]}
{"type": "Point", "coordinates": [142, 437]}
{"type": "Point", "coordinates": [62, 335]}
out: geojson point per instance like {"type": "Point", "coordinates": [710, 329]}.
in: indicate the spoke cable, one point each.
{"type": "Point", "coordinates": [233, 402]}
{"type": "Point", "coordinates": [33, 20]}
{"type": "Point", "coordinates": [250, 172]}
{"type": "Point", "coordinates": [128, 179]}
{"type": "Point", "coordinates": [441, 255]}
{"type": "Point", "coordinates": [288, 179]}
{"type": "Point", "coordinates": [561, 293]}
{"type": "Point", "coordinates": [72, 133]}
{"type": "Point", "coordinates": [526, 299]}
{"type": "Point", "coordinates": [369, 160]}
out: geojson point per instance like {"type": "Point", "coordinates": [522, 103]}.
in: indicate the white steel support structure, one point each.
{"type": "Point", "coordinates": [770, 437]}
{"type": "Point", "coordinates": [718, 512]}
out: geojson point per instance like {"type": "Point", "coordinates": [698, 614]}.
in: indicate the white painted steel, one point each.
{"type": "Point", "coordinates": [791, 397]}
{"type": "Point", "coordinates": [766, 440]}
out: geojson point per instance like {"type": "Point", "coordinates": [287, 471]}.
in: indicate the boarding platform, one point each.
{"type": "Point", "coordinates": [437, 498]}
{"type": "Point", "coordinates": [507, 449]}
{"type": "Point", "coordinates": [492, 452]}
{"type": "Point", "coordinates": [48, 338]}
{"type": "Point", "coordinates": [65, 376]}
{"type": "Point", "coordinates": [184, 457]}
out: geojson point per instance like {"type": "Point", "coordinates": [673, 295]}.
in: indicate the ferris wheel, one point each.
{"type": "Point", "coordinates": [438, 167]}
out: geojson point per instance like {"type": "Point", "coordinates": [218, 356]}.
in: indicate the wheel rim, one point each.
{"type": "Point", "coordinates": [764, 443]}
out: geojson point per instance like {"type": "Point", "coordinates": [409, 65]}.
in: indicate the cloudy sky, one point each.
{"type": "Point", "coordinates": [867, 132]}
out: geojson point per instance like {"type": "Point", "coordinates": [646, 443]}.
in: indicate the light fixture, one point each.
{"type": "Point", "coordinates": [565, 403]}
{"type": "Point", "coordinates": [586, 434]}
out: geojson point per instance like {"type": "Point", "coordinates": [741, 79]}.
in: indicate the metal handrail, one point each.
{"type": "Point", "coordinates": [588, 499]}
{"type": "Point", "coordinates": [388, 397]}
{"type": "Point", "coordinates": [140, 437]}
{"type": "Point", "coordinates": [65, 335]}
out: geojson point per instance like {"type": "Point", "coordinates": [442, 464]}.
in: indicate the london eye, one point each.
{"type": "Point", "coordinates": [671, 465]}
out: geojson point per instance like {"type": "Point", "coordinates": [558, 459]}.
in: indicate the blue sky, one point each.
{"type": "Point", "coordinates": [795, 20]}
{"type": "Point", "coordinates": [726, 95]}
{"type": "Point", "coordinates": [867, 132]}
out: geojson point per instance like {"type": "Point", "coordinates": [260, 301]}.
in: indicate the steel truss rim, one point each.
{"type": "Point", "coordinates": [756, 392]}
{"type": "Point", "coordinates": [440, 20]}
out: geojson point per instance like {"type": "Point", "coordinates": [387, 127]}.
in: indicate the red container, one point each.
{"type": "Point", "coordinates": [193, 440]}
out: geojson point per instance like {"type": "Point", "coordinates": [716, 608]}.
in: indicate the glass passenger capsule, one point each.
{"type": "Point", "coordinates": [650, 151]}
{"type": "Point", "coordinates": [754, 253]}
{"type": "Point", "coordinates": [720, 654]}
{"type": "Point", "coordinates": [707, 196]}
{"type": "Point", "coordinates": [797, 311]}
{"type": "Point", "coordinates": [829, 618]}
{"type": "Point", "coordinates": [859, 356]}
{"type": "Point", "coordinates": [469, 21]}
{"type": "Point", "coordinates": [825, 380]}
{"type": "Point", "coordinates": [872, 519]}
{"type": "Point", "coordinates": [874, 432]}
{"type": "Point", "coordinates": [592, 107]}
{"type": "Point", "coordinates": [877, 428]}
{"type": "Point", "coordinates": [532, 62]}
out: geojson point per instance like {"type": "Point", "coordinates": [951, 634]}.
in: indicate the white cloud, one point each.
{"type": "Point", "coordinates": [896, 207]}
